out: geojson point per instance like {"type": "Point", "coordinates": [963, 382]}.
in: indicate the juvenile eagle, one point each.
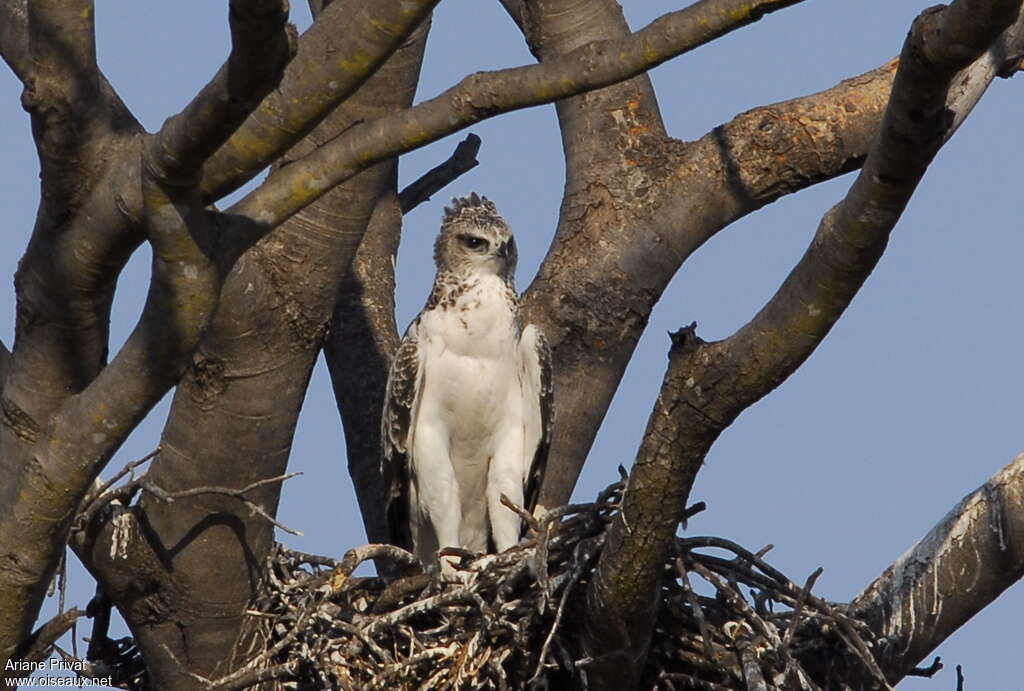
{"type": "Point", "coordinates": [467, 413]}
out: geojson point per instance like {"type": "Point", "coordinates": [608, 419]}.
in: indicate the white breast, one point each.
{"type": "Point", "coordinates": [481, 323]}
{"type": "Point", "coordinates": [471, 365]}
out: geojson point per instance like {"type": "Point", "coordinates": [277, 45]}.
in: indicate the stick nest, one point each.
{"type": "Point", "coordinates": [510, 623]}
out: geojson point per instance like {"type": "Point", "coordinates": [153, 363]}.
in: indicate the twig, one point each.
{"type": "Point", "coordinates": [425, 656]}
{"type": "Point", "coordinates": [693, 682]}
{"type": "Point", "coordinates": [929, 671]}
{"type": "Point", "coordinates": [438, 177]}
{"type": "Point", "coordinates": [695, 608]}
{"type": "Point", "coordinates": [354, 557]}
{"type": "Point", "coordinates": [527, 517]}
{"type": "Point", "coordinates": [314, 559]}
{"type": "Point", "coordinates": [37, 647]}
{"type": "Point", "coordinates": [257, 676]}
{"type": "Point", "coordinates": [751, 668]}
{"type": "Point", "coordinates": [255, 508]}
{"type": "Point", "coordinates": [101, 497]}
{"type": "Point", "coordinates": [691, 511]}
{"type": "Point", "coordinates": [128, 468]}
{"type": "Point", "coordinates": [495, 631]}
{"type": "Point", "coordinates": [736, 599]}
{"type": "Point", "coordinates": [575, 576]}
{"type": "Point", "coordinates": [798, 610]}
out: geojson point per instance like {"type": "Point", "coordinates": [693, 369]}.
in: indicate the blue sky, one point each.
{"type": "Point", "coordinates": [909, 404]}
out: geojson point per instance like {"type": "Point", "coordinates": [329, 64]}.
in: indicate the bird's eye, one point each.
{"type": "Point", "coordinates": [473, 242]}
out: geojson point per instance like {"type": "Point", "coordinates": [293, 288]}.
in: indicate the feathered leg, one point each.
{"type": "Point", "coordinates": [506, 476]}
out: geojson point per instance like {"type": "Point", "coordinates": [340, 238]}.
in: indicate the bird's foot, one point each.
{"type": "Point", "coordinates": [455, 565]}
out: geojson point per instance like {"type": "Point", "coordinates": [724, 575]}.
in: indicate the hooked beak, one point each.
{"type": "Point", "coordinates": [503, 250]}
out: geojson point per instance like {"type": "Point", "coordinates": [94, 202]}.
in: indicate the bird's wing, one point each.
{"type": "Point", "coordinates": [400, 399]}
{"type": "Point", "coordinates": [540, 406]}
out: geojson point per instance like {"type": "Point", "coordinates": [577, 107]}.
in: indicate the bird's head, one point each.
{"type": "Point", "coordinates": [474, 239]}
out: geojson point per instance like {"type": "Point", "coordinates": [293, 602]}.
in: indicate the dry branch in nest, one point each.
{"type": "Point", "coordinates": [505, 624]}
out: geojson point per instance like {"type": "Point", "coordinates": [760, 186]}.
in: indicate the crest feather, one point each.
{"type": "Point", "coordinates": [472, 210]}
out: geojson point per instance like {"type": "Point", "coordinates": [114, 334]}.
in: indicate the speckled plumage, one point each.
{"type": "Point", "coordinates": [467, 414]}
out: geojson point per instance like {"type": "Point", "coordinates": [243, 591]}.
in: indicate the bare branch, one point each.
{"type": "Point", "coordinates": [462, 160]}
{"type": "Point", "coordinates": [61, 90]}
{"type": "Point", "coordinates": [165, 496]}
{"type": "Point", "coordinates": [949, 576]}
{"type": "Point", "coordinates": [358, 350]}
{"type": "Point", "coordinates": [928, 672]}
{"type": "Point", "coordinates": [88, 427]}
{"type": "Point", "coordinates": [758, 357]}
{"type": "Point", "coordinates": [344, 47]}
{"type": "Point", "coordinates": [62, 42]}
{"type": "Point", "coordinates": [528, 518]}
{"type": "Point", "coordinates": [734, 170]}
{"type": "Point", "coordinates": [223, 430]}
{"type": "Point", "coordinates": [516, 10]}
{"type": "Point", "coordinates": [89, 157]}
{"type": "Point", "coordinates": [240, 492]}
{"type": "Point", "coordinates": [5, 363]}
{"type": "Point", "coordinates": [357, 555]}
{"type": "Point", "coordinates": [262, 44]}
{"type": "Point", "coordinates": [798, 610]}
{"type": "Point", "coordinates": [14, 36]}
{"type": "Point", "coordinates": [103, 496]}
{"type": "Point", "coordinates": [852, 236]}
{"type": "Point", "coordinates": [37, 647]}
{"type": "Point", "coordinates": [486, 94]}
{"type": "Point", "coordinates": [99, 498]}
{"type": "Point", "coordinates": [151, 361]}
{"type": "Point", "coordinates": [256, 676]}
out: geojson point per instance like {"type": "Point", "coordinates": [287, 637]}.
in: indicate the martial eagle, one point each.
{"type": "Point", "coordinates": [468, 409]}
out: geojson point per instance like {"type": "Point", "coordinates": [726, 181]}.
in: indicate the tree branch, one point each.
{"type": "Point", "coordinates": [5, 363]}
{"type": "Point", "coordinates": [676, 197]}
{"type": "Point", "coordinates": [462, 160]}
{"type": "Point", "coordinates": [971, 556]}
{"type": "Point", "coordinates": [14, 37]}
{"type": "Point", "coordinates": [708, 384]}
{"type": "Point", "coordinates": [358, 349]}
{"type": "Point", "coordinates": [185, 282]}
{"type": "Point", "coordinates": [38, 646]}
{"type": "Point", "coordinates": [516, 10]}
{"type": "Point", "coordinates": [61, 91]}
{"type": "Point", "coordinates": [65, 281]}
{"type": "Point", "coordinates": [262, 44]}
{"type": "Point", "coordinates": [60, 465]}
{"type": "Point", "coordinates": [345, 46]}
{"type": "Point", "coordinates": [234, 414]}
{"type": "Point", "coordinates": [102, 495]}
{"type": "Point", "coordinates": [183, 293]}
{"type": "Point", "coordinates": [62, 42]}
{"type": "Point", "coordinates": [487, 94]}
{"type": "Point", "coordinates": [239, 493]}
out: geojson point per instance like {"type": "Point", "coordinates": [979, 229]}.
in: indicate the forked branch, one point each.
{"type": "Point", "coordinates": [708, 384]}
{"type": "Point", "coordinates": [262, 44]}
{"type": "Point", "coordinates": [486, 94]}
{"type": "Point", "coordinates": [345, 46]}
{"type": "Point", "coordinates": [61, 89]}
{"type": "Point", "coordinates": [62, 43]}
